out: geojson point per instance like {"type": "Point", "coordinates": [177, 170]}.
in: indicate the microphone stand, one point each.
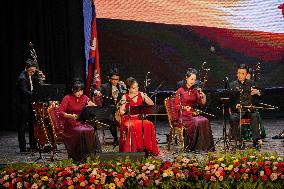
{"type": "Point", "coordinates": [155, 100]}
{"type": "Point", "coordinates": [129, 126]}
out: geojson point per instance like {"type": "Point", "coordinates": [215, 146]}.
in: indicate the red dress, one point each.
{"type": "Point", "coordinates": [77, 137]}
{"type": "Point", "coordinates": [198, 129]}
{"type": "Point", "coordinates": [131, 136]}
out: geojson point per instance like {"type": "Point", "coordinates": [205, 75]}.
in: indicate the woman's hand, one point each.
{"type": "Point", "coordinates": [91, 103]}
{"type": "Point", "coordinates": [71, 116]}
{"type": "Point", "coordinates": [187, 108]}
{"type": "Point", "coordinates": [255, 92]}
{"type": "Point", "coordinates": [147, 99]}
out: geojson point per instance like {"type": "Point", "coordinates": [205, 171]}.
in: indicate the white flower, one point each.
{"type": "Point", "coordinates": [261, 173]}
{"type": "Point", "coordinates": [165, 174]}
{"type": "Point", "coordinates": [185, 160]}
{"type": "Point", "coordinates": [151, 167]}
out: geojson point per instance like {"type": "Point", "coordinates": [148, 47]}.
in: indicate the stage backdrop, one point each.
{"type": "Point", "coordinates": [166, 37]}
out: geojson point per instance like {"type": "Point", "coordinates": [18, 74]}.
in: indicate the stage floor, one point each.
{"type": "Point", "coordinates": [9, 151]}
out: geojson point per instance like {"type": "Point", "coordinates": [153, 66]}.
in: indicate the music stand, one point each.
{"type": "Point", "coordinates": [95, 113]}
{"type": "Point", "coordinates": [142, 111]}
{"type": "Point", "coordinates": [225, 99]}
{"type": "Point", "coordinates": [50, 92]}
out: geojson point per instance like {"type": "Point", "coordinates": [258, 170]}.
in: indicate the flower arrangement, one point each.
{"type": "Point", "coordinates": [250, 169]}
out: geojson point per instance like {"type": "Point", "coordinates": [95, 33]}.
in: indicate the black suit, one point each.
{"type": "Point", "coordinates": [106, 90]}
{"type": "Point", "coordinates": [24, 111]}
{"type": "Point", "coordinates": [245, 99]}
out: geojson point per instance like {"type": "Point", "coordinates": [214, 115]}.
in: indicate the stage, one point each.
{"type": "Point", "coordinates": [9, 151]}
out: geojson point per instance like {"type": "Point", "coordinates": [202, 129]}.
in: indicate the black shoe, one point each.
{"type": "Point", "coordinates": [23, 150]}
{"type": "Point", "coordinates": [256, 145]}
{"type": "Point", "coordinates": [278, 137]}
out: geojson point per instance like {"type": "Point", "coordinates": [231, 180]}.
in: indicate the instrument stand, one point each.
{"type": "Point", "coordinates": [142, 111]}
{"type": "Point", "coordinates": [227, 99]}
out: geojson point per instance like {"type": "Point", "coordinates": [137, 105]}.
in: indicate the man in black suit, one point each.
{"type": "Point", "coordinates": [248, 94]}
{"type": "Point", "coordinates": [27, 84]}
{"type": "Point", "coordinates": [112, 92]}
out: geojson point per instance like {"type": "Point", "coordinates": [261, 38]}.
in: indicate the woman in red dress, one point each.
{"type": "Point", "coordinates": [198, 133]}
{"type": "Point", "coordinates": [135, 135]}
{"type": "Point", "coordinates": [78, 138]}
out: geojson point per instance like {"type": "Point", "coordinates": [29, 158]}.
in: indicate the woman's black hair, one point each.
{"type": "Point", "coordinates": [129, 82]}
{"type": "Point", "coordinates": [77, 85]}
{"type": "Point", "coordinates": [189, 72]}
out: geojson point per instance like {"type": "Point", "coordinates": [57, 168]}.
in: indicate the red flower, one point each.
{"type": "Point", "coordinates": [81, 178]}
{"type": "Point", "coordinates": [168, 163]}
{"type": "Point", "coordinates": [264, 178]}
{"type": "Point", "coordinates": [268, 172]}
{"type": "Point", "coordinates": [244, 159]}
{"type": "Point", "coordinates": [19, 179]}
{"type": "Point", "coordinates": [146, 182]}
{"type": "Point", "coordinates": [176, 171]}
{"type": "Point", "coordinates": [52, 185]}
{"type": "Point", "coordinates": [242, 170]}
{"type": "Point", "coordinates": [199, 174]}
{"type": "Point", "coordinates": [207, 177]}
{"type": "Point", "coordinates": [83, 170]}
{"type": "Point", "coordinates": [232, 174]}
{"type": "Point", "coordinates": [194, 169]}
{"type": "Point", "coordinates": [237, 176]}
{"type": "Point", "coordinates": [119, 176]}
{"type": "Point", "coordinates": [254, 170]}
{"type": "Point", "coordinates": [254, 178]}
{"type": "Point", "coordinates": [42, 173]}
{"type": "Point", "coordinates": [92, 179]}
{"type": "Point", "coordinates": [236, 164]}
{"type": "Point", "coordinates": [260, 163]}
{"type": "Point", "coordinates": [223, 173]}
{"type": "Point", "coordinates": [192, 174]}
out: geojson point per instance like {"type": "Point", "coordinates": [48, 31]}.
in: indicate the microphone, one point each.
{"type": "Point", "coordinates": [147, 80]}
{"type": "Point", "coordinates": [226, 82]}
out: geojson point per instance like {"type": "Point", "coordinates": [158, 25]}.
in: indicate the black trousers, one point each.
{"type": "Point", "coordinates": [235, 124]}
{"type": "Point", "coordinates": [25, 122]}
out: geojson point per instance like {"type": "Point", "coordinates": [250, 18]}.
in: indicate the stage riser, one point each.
{"type": "Point", "coordinates": [137, 156]}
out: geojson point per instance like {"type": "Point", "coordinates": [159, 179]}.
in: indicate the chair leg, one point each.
{"type": "Point", "coordinates": [104, 137]}
{"type": "Point", "coordinates": [170, 139]}
{"type": "Point", "coordinates": [180, 135]}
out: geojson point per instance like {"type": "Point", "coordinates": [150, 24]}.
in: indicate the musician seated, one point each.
{"type": "Point", "coordinates": [198, 133]}
{"type": "Point", "coordinates": [135, 135]}
{"type": "Point", "coordinates": [79, 138]}
{"type": "Point", "coordinates": [248, 92]}
{"type": "Point", "coordinates": [111, 92]}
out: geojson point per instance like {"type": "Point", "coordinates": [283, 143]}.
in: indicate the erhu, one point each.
{"type": "Point", "coordinates": [200, 85]}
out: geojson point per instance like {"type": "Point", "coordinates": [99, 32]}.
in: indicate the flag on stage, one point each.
{"type": "Point", "coordinates": [93, 77]}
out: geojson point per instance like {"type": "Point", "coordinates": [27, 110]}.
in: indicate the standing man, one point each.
{"type": "Point", "coordinates": [111, 93]}
{"type": "Point", "coordinates": [247, 93]}
{"type": "Point", "coordinates": [27, 82]}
